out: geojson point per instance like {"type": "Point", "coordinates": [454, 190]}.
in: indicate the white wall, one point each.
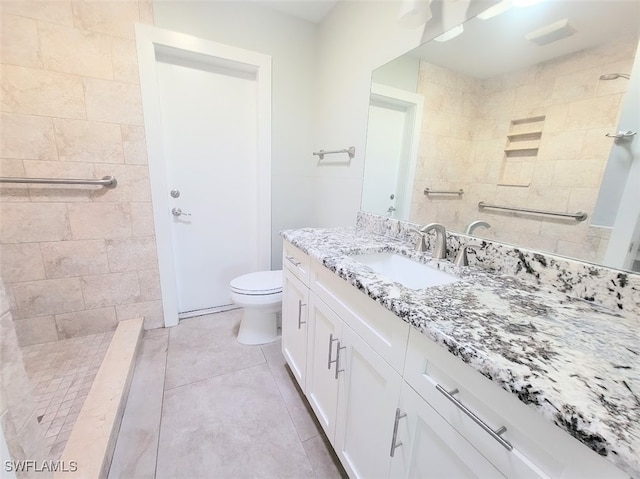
{"type": "Point", "coordinates": [291, 42]}
{"type": "Point", "coordinates": [354, 39]}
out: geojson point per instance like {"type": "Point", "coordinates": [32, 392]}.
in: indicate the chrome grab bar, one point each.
{"type": "Point", "coordinates": [429, 191]}
{"type": "Point", "coordinates": [107, 181]}
{"type": "Point", "coordinates": [579, 216]}
{"type": "Point", "coordinates": [351, 151]}
{"type": "Point", "coordinates": [494, 434]}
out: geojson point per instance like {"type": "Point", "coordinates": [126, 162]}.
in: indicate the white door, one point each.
{"type": "Point", "coordinates": [207, 119]}
{"type": "Point", "coordinates": [367, 401]}
{"type": "Point", "coordinates": [209, 130]}
{"type": "Point", "coordinates": [393, 133]}
{"type": "Point", "coordinates": [385, 139]}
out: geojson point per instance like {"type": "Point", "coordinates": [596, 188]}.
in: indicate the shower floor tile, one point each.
{"type": "Point", "coordinates": [62, 373]}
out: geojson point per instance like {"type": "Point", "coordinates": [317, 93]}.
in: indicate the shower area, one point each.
{"type": "Point", "coordinates": [78, 262]}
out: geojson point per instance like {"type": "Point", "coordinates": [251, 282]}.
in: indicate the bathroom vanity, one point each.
{"type": "Point", "coordinates": [487, 376]}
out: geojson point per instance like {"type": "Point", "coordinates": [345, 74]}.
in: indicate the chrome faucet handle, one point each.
{"type": "Point", "coordinates": [461, 257]}
{"type": "Point", "coordinates": [440, 248]}
{"type": "Point", "coordinates": [421, 245]}
{"type": "Point", "coordinates": [476, 224]}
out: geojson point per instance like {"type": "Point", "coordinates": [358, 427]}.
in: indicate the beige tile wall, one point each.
{"type": "Point", "coordinates": [75, 259]}
{"type": "Point", "coordinates": [18, 421]}
{"type": "Point", "coordinates": [466, 121]}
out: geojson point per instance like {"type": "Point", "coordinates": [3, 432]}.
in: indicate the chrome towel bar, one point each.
{"type": "Point", "coordinates": [579, 216]}
{"type": "Point", "coordinates": [429, 191]}
{"type": "Point", "coordinates": [107, 181]}
{"type": "Point", "coordinates": [351, 151]}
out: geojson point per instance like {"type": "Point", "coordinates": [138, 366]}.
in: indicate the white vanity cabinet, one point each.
{"type": "Point", "coordinates": [352, 390]}
{"type": "Point", "coordinates": [367, 400]}
{"type": "Point", "coordinates": [427, 446]}
{"type": "Point", "coordinates": [393, 403]}
{"type": "Point", "coordinates": [323, 347]}
{"type": "Point", "coordinates": [295, 324]}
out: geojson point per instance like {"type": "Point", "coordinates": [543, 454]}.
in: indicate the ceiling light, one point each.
{"type": "Point", "coordinates": [414, 13]}
{"type": "Point", "coordinates": [495, 10]}
{"type": "Point", "coordinates": [449, 34]}
{"type": "Point", "coordinates": [551, 33]}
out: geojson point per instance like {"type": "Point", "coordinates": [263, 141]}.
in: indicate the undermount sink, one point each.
{"type": "Point", "coordinates": [409, 273]}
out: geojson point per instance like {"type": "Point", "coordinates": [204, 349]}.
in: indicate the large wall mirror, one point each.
{"type": "Point", "coordinates": [519, 108]}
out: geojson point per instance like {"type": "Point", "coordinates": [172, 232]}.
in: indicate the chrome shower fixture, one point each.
{"type": "Point", "coordinates": [613, 76]}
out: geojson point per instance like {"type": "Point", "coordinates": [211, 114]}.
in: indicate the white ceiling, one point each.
{"type": "Point", "coordinates": [492, 47]}
{"type": "Point", "coordinates": [310, 10]}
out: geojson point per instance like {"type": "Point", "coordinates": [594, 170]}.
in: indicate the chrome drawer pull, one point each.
{"type": "Point", "coordinates": [300, 322]}
{"type": "Point", "coordinates": [329, 361]}
{"type": "Point", "coordinates": [394, 444]}
{"type": "Point", "coordinates": [293, 260]}
{"type": "Point", "coordinates": [494, 434]}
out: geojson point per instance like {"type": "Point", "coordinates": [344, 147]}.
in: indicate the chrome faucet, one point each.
{"type": "Point", "coordinates": [440, 249]}
{"type": "Point", "coordinates": [461, 258]}
{"type": "Point", "coordinates": [476, 224]}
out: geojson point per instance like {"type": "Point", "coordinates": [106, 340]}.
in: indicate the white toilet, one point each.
{"type": "Point", "coordinates": [260, 294]}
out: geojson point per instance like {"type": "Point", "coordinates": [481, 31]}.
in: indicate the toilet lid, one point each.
{"type": "Point", "coordinates": [262, 282]}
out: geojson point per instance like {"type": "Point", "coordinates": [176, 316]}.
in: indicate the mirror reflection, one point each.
{"type": "Point", "coordinates": [514, 112]}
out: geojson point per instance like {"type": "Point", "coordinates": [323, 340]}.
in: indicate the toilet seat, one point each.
{"type": "Point", "coordinates": [261, 283]}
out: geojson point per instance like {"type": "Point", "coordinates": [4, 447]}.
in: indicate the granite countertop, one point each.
{"type": "Point", "coordinates": [576, 363]}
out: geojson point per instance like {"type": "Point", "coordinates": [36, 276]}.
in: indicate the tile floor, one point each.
{"type": "Point", "coordinates": [201, 405]}
{"type": "Point", "coordinates": [62, 373]}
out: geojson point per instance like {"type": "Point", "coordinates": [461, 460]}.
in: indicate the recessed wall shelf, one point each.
{"type": "Point", "coordinates": [521, 151]}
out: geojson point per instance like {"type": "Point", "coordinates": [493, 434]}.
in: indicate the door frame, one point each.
{"type": "Point", "coordinates": [151, 40]}
{"type": "Point", "coordinates": [411, 104]}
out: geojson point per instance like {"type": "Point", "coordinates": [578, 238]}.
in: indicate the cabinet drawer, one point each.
{"type": "Point", "coordinates": [296, 261]}
{"type": "Point", "coordinates": [540, 449]}
{"type": "Point", "coordinates": [380, 328]}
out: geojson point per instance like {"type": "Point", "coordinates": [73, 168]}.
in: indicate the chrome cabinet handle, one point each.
{"type": "Point", "coordinates": [494, 434]}
{"type": "Point", "coordinates": [329, 361]}
{"type": "Point", "coordinates": [394, 444]}
{"type": "Point", "coordinates": [338, 370]}
{"type": "Point", "coordinates": [300, 322]}
{"type": "Point", "coordinates": [293, 260]}
{"type": "Point", "coordinates": [179, 212]}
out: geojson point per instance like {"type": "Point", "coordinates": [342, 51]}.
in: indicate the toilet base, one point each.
{"type": "Point", "coordinates": [258, 326]}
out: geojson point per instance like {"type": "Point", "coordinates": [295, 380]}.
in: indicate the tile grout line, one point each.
{"type": "Point", "coordinates": [164, 380]}
{"type": "Point", "coordinates": [216, 375]}
{"type": "Point", "coordinates": [289, 414]}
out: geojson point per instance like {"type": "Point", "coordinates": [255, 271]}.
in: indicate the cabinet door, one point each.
{"type": "Point", "coordinates": [430, 447]}
{"type": "Point", "coordinates": [295, 304]}
{"type": "Point", "coordinates": [325, 328]}
{"type": "Point", "coordinates": [368, 396]}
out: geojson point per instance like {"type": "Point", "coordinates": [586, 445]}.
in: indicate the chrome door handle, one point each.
{"type": "Point", "coordinates": [300, 322]}
{"type": "Point", "coordinates": [179, 212]}
{"type": "Point", "coordinates": [394, 444]}
{"type": "Point", "coordinates": [494, 434]}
